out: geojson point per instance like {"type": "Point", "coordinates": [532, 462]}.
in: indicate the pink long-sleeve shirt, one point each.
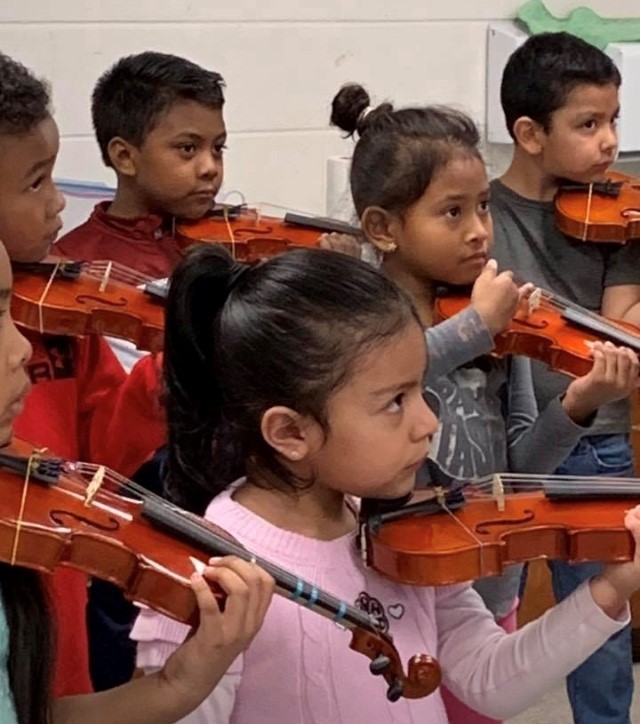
{"type": "Point", "coordinates": [299, 669]}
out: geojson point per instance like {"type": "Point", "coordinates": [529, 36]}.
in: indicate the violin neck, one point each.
{"type": "Point", "coordinates": [189, 529]}
{"type": "Point", "coordinates": [593, 322]}
{"type": "Point", "coordinates": [322, 223]}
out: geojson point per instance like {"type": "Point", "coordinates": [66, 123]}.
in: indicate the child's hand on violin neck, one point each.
{"type": "Point", "coordinates": [614, 376]}
{"type": "Point", "coordinates": [619, 581]}
{"type": "Point", "coordinates": [195, 668]}
{"type": "Point", "coordinates": [496, 297]}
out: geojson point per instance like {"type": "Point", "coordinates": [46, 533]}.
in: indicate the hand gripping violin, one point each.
{"type": "Point", "coordinates": [88, 517]}
{"type": "Point", "coordinates": [553, 330]}
{"type": "Point", "coordinates": [251, 236]}
{"type": "Point", "coordinates": [73, 298]}
{"type": "Point", "coordinates": [465, 531]}
{"type": "Point", "coordinates": [607, 211]}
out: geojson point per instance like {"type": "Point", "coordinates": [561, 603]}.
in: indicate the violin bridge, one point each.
{"type": "Point", "coordinates": [95, 485]}
{"type": "Point", "coordinates": [534, 300]}
{"type": "Point", "coordinates": [440, 496]}
{"type": "Point", "coordinates": [497, 489]}
{"type": "Point", "coordinates": [105, 277]}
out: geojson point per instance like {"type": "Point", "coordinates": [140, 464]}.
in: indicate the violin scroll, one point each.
{"type": "Point", "coordinates": [423, 672]}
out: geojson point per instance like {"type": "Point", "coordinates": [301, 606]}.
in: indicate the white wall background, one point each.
{"type": "Point", "coordinates": [283, 60]}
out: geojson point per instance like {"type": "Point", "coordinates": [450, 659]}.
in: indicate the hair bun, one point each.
{"type": "Point", "coordinates": [348, 106]}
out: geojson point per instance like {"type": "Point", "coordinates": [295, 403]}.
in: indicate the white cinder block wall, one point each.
{"type": "Point", "coordinates": [283, 60]}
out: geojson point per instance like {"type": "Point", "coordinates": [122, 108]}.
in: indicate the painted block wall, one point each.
{"type": "Point", "coordinates": [283, 60]}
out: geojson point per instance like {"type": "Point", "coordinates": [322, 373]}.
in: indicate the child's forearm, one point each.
{"type": "Point", "coordinates": [151, 699]}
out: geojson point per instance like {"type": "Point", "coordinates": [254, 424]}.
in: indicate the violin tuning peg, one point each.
{"type": "Point", "coordinates": [379, 665]}
{"type": "Point", "coordinates": [394, 692]}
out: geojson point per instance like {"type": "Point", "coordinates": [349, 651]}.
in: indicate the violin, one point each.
{"type": "Point", "coordinates": [72, 298]}
{"type": "Point", "coordinates": [468, 531]}
{"type": "Point", "coordinates": [551, 329]}
{"type": "Point", "coordinates": [251, 236]}
{"type": "Point", "coordinates": [85, 516]}
{"type": "Point", "coordinates": [607, 211]}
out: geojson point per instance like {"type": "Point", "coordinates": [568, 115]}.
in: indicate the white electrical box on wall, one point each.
{"type": "Point", "coordinates": [505, 37]}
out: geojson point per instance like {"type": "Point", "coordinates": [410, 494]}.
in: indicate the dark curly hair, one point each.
{"type": "Point", "coordinates": [130, 97]}
{"type": "Point", "coordinates": [24, 99]}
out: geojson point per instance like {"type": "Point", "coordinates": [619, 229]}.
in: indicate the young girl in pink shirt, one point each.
{"type": "Point", "coordinates": [301, 379]}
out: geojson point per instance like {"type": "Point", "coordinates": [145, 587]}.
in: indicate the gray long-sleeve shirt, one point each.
{"type": "Point", "coordinates": [489, 420]}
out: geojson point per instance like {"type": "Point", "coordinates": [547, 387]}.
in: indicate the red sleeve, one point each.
{"type": "Point", "coordinates": [137, 427]}
{"type": "Point", "coordinates": [121, 420]}
{"type": "Point", "coordinates": [68, 590]}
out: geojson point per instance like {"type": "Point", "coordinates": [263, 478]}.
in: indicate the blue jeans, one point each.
{"type": "Point", "coordinates": [600, 690]}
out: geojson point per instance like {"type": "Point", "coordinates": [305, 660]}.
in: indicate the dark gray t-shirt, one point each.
{"type": "Point", "coordinates": [527, 241]}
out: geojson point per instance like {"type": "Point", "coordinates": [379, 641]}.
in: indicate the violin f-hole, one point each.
{"type": "Point", "coordinates": [59, 516]}
{"type": "Point", "coordinates": [86, 298]}
{"type": "Point", "coordinates": [483, 528]}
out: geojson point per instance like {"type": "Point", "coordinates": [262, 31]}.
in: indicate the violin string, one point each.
{"type": "Point", "coordinates": [50, 281]}
{"type": "Point", "coordinates": [591, 320]}
{"type": "Point", "coordinates": [232, 238]}
{"type": "Point", "coordinates": [36, 454]}
{"type": "Point", "coordinates": [340, 611]}
{"type": "Point", "coordinates": [587, 219]}
{"type": "Point", "coordinates": [120, 273]}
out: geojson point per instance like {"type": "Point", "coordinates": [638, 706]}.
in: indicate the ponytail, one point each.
{"type": "Point", "coordinates": [199, 289]}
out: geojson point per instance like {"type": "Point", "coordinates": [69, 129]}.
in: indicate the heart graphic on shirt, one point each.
{"type": "Point", "coordinates": [396, 611]}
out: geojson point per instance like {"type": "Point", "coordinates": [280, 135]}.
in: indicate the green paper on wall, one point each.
{"type": "Point", "coordinates": [582, 22]}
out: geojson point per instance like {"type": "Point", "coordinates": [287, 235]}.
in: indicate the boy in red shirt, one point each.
{"type": "Point", "coordinates": [158, 121]}
{"type": "Point", "coordinates": [80, 392]}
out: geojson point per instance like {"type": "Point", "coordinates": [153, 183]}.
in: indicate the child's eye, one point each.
{"type": "Point", "coordinates": [454, 212]}
{"type": "Point", "coordinates": [589, 125]}
{"type": "Point", "coordinates": [188, 149]}
{"type": "Point", "coordinates": [483, 206]}
{"type": "Point", "coordinates": [396, 404]}
{"type": "Point", "coordinates": [37, 183]}
{"type": "Point", "coordinates": [219, 149]}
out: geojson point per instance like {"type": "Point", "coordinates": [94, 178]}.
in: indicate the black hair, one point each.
{"type": "Point", "coordinates": [31, 643]}
{"type": "Point", "coordinates": [240, 340]}
{"type": "Point", "coordinates": [398, 151]}
{"type": "Point", "coordinates": [134, 93]}
{"type": "Point", "coordinates": [541, 73]}
{"type": "Point", "coordinates": [24, 99]}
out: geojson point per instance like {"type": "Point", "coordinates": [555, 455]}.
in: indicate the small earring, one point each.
{"type": "Point", "coordinates": [391, 247]}
{"type": "Point", "coordinates": [294, 454]}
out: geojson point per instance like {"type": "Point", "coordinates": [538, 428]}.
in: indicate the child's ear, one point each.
{"type": "Point", "coordinates": [122, 155]}
{"type": "Point", "coordinates": [287, 432]}
{"type": "Point", "coordinates": [378, 227]}
{"type": "Point", "coordinates": [529, 134]}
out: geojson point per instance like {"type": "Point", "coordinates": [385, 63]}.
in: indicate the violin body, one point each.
{"type": "Point", "coordinates": [109, 539]}
{"type": "Point", "coordinates": [75, 514]}
{"type": "Point", "coordinates": [480, 540]}
{"type": "Point", "coordinates": [601, 212]}
{"type": "Point", "coordinates": [81, 304]}
{"type": "Point", "coordinates": [251, 236]}
{"type": "Point", "coordinates": [545, 335]}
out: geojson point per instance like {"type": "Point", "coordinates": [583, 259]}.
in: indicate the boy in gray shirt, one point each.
{"type": "Point", "coordinates": [560, 99]}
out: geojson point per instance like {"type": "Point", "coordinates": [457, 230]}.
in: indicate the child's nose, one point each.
{"type": "Point", "coordinates": [426, 421]}
{"type": "Point", "coordinates": [610, 139]}
{"type": "Point", "coordinates": [479, 229]}
{"type": "Point", "coordinates": [209, 166]}
{"type": "Point", "coordinates": [58, 203]}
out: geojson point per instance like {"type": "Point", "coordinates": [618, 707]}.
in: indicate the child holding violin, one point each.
{"type": "Point", "coordinates": [305, 374]}
{"type": "Point", "coordinates": [27, 631]}
{"type": "Point", "coordinates": [421, 192]}
{"type": "Point", "coordinates": [80, 402]}
{"type": "Point", "coordinates": [560, 100]}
